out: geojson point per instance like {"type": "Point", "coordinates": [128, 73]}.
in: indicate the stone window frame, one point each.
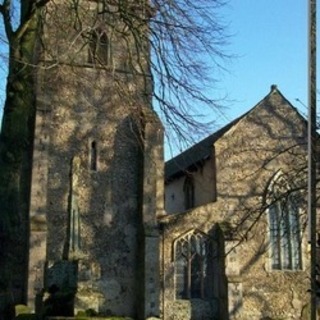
{"type": "Point", "coordinates": [100, 47]}
{"type": "Point", "coordinates": [205, 277]}
{"type": "Point", "coordinates": [283, 204]}
{"type": "Point", "coordinates": [93, 155]}
{"type": "Point", "coordinates": [189, 192]}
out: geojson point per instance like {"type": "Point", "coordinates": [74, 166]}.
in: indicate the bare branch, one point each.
{"type": "Point", "coordinates": [28, 11]}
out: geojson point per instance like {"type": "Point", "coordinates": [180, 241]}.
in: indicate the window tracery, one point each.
{"type": "Point", "coordinates": [284, 226]}
{"type": "Point", "coordinates": [193, 266]}
{"type": "Point", "coordinates": [100, 50]}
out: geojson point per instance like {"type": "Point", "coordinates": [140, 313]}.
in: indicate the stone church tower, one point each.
{"type": "Point", "coordinates": [97, 164]}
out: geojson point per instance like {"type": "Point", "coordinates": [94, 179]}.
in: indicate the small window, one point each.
{"type": "Point", "coordinates": [93, 156]}
{"type": "Point", "coordinates": [99, 47]}
{"type": "Point", "coordinates": [188, 190]}
{"type": "Point", "coordinates": [284, 229]}
{"type": "Point", "coordinates": [193, 266]}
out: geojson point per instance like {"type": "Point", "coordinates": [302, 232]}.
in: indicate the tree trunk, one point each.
{"type": "Point", "coordinates": [16, 141]}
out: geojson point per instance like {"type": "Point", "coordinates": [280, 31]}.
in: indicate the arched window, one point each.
{"type": "Point", "coordinates": [188, 190]}
{"type": "Point", "coordinates": [284, 226]}
{"type": "Point", "coordinates": [193, 266]}
{"type": "Point", "coordinates": [93, 156]}
{"type": "Point", "coordinates": [99, 47]}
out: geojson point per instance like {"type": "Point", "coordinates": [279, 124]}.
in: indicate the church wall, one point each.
{"type": "Point", "coordinates": [265, 141]}
{"type": "Point", "coordinates": [106, 199]}
{"type": "Point", "coordinates": [272, 137]}
{"type": "Point", "coordinates": [204, 188]}
{"type": "Point", "coordinates": [38, 219]}
{"type": "Point", "coordinates": [98, 225]}
{"type": "Point", "coordinates": [174, 199]}
{"type": "Point", "coordinates": [205, 183]}
{"type": "Point", "coordinates": [201, 218]}
{"type": "Point", "coordinates": [67, 36]}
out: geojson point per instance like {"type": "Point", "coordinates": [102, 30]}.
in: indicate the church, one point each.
{"type": "Point", "coordinates": [234, 238]}
{"type": "Point", "coordinates": [218, 232]}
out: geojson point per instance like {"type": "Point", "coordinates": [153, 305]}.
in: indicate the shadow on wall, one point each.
{"type": "Point", "coordinates": [196, 283]}
{"type": "Point", "coordinates": [113, 241]}
{"type": "Point", "coordinates": [116, 221]}
{"type": "Point", "coordinates": [59, 298]}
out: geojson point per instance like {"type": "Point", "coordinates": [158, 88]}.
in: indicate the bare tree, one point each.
{"type": "Point", "coordinates": [183, 38]}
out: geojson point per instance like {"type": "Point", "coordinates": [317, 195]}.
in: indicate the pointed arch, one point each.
{"type": "Point", "coordinates": [193, 274]}
{"type": "Point", "coordinates": [100, 49]}
{"type": "Point", "coordinates": [284, 224]}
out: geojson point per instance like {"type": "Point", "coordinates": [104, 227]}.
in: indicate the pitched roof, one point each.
{"type": "Point", "coordinates": [190, 159]}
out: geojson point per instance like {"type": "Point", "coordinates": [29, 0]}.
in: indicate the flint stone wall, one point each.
{"type": "Point", "coordinates": [269, 139]}
{"type": "Point", "coordinates": [94, 216]}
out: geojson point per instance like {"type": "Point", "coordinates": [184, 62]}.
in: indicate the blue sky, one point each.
{"type": "Point", "coordinates": [270, 40]}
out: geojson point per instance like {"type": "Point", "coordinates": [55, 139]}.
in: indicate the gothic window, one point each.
{"type": "Point", "coordinates": [93, 156]}
{"type": "Point", "coordinates": [188, 190]}
{"type": "Point", "coordinates": [284, 228]}
{"type": "Point", "coordinates": [99, 47]}
{"type": "Point", "coordinates": [193, 266]}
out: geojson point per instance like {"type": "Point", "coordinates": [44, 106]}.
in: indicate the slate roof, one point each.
{"type": "Point", "coordinates": [192, 158]}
